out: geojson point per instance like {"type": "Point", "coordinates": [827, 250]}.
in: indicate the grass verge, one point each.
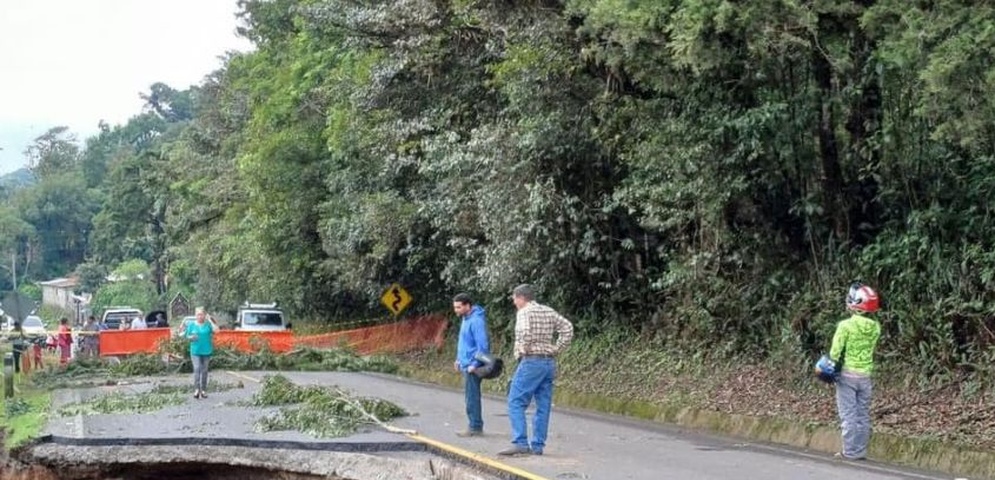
{"type": "Point", "coordinates": [24, 417]}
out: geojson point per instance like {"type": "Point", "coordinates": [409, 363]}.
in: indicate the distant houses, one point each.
{"type": "Point", "coordinates": [61, 293]}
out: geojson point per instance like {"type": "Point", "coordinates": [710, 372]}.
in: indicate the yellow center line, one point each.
{"type": "Point", "coordinates": [243, 377]}
{"type": "Point", "coordinates": [450, 449]}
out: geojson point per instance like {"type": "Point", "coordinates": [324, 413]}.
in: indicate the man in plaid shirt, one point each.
{"type": "Point", "coordinates": [536, 349]}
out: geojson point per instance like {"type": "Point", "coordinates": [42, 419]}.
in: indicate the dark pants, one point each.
{"type": "Point", "coordinates": [471, 388]}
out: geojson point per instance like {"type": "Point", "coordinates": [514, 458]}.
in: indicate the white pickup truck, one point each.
{"type": "Point", "coordinates": [261, 317]}
{"type": "Point", "coordinates": [114, 316]}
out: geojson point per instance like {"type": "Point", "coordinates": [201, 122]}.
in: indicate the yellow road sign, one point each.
{"type": "Point", "coordinates": [396, 299]}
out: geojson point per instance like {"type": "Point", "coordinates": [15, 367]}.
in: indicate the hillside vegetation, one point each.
{"type": "Point", "coordinates": [708, 175]}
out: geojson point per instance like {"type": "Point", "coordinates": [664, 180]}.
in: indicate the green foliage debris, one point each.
{"type": "Point", "coordinates": [319, 411]}
{"type": "Point", "coordinates": [97, 372]}
{"type": "Point", "coordinates": [158, 397]}
{"type": "Point", "coordinates": [119, 402]}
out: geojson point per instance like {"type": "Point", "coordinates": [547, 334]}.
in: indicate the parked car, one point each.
{"type": "Point", "coordinates": [181, 327]}
{"type": "Point", "coordinates": [257, 317]}
{"type": "Point", "coordinates": [113, 316]}
{"type": "Point", "coordinates": [33, 326]}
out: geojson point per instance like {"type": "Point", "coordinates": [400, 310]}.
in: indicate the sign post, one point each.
{"type": "Point", "coordinates": [179, 307]}
{"type": "Point", "coordinates": [8, 375]}
{"type": "Point", "coordinates": [396, 299]}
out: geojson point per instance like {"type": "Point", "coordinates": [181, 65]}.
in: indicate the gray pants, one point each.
{"type": "Point", "coordinates": [200, 363]}
{"type": "Point", "coordinates": [853, 400]}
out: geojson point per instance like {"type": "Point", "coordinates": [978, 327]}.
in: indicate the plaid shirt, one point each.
{"type": "Point", "coordinates": [535, 325]}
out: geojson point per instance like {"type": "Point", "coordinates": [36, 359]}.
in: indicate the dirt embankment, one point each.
{"type": "Point", "coordinates": [12, 468]}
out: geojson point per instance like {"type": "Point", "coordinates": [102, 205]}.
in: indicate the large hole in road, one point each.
{"type": "Point", "coordinates": [202, 462]}
{"type": "Point", "coordinates": [158, 471]}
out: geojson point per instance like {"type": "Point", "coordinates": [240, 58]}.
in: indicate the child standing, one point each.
{"type": "Point", "coordinates": [854, 344]}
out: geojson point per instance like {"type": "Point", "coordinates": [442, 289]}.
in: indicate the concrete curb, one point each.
{"type": "Point", "coordinates": [918, 453]}
{"type": "Point", "coordinates": [925, 454]}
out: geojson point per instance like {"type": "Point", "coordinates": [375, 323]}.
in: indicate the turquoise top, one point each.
{"type": "Point", "coordinates": [204, 344]}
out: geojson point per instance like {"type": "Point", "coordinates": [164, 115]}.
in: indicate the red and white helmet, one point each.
{"type": "Point", "coordinates": [862, 298]}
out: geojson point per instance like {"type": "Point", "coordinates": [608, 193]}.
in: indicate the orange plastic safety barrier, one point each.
{"type": "Point", "coordinates": [129, 342]}
{"type": "Point", "coordinates": [397, 337]}
{"type": "Point", "coordinates": [279, 342]}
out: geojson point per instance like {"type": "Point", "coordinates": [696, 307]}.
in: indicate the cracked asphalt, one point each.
{"type": "Point", "coordinates": [580, 446]}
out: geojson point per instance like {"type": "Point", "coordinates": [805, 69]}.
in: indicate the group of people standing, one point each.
{"type": "Point", "coordinates": [540, 335]}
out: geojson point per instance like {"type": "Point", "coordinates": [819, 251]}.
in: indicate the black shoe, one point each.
{"type": "Point", "coordinates": [470, 433]}
{"type": "Point", "coordinates": [515, 450]}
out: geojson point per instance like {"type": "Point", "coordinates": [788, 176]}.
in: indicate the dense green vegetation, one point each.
{"type": "Point", "coordinates": [708, 173]}
{"type": "Point", "coordinates": [24, 417]}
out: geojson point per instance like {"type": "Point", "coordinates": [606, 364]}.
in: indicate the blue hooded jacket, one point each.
{"type": "Point", "coordinates": [472, 338]}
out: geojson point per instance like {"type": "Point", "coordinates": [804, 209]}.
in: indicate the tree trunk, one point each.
{"type": "Point", "coordinates": [863, 124]}
{"type": "Point", "coordinates": [832, 173]}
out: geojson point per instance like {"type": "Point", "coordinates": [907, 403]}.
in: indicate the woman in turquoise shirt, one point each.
{"type": "Point", "coordinates": [201, 336]}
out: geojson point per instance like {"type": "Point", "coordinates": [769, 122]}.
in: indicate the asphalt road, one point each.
{"type": "Point", "coordinates": [585, 446]}
{"type": "Point", "coordinates": [580, 445]}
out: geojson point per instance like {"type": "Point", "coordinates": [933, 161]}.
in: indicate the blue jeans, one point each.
{"type": "Point", "coordinates": [853, 400]}
{"type": "Point", "coordinates": [471, 388]}
{"type": "Point", "coordinates": [200, 363]}
{"type": "Point", "coordinates": [533, 378]}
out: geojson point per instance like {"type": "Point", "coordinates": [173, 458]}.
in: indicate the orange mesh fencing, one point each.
{"type": "Point", "coordinates": [128, 342]}
{"type": "Point", "coordinates": [397, 337]}
{"type": "Point", "coordinates": [279, 342]}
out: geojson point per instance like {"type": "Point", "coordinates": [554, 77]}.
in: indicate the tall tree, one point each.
{"type": "Point", "coordinates": [54, 152]}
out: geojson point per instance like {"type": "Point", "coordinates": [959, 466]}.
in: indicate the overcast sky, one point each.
{"type": "Point", "coordinates": [76, 62]}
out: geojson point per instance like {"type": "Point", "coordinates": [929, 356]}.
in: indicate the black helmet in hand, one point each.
{"type": "Point", "coordinates": [491, 366]}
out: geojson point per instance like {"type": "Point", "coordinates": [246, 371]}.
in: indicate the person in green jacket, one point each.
{"type": "Point", "coordinates": [854, 343]}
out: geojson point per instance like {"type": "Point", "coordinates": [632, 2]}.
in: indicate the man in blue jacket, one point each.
{"type": "Point", "coordinates": [472, 340]}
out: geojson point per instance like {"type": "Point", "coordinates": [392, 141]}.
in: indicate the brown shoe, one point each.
{"type": "Point", "coordinates": [470, 433]}
{"type": "Point", "coordinates": [515, 450]}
